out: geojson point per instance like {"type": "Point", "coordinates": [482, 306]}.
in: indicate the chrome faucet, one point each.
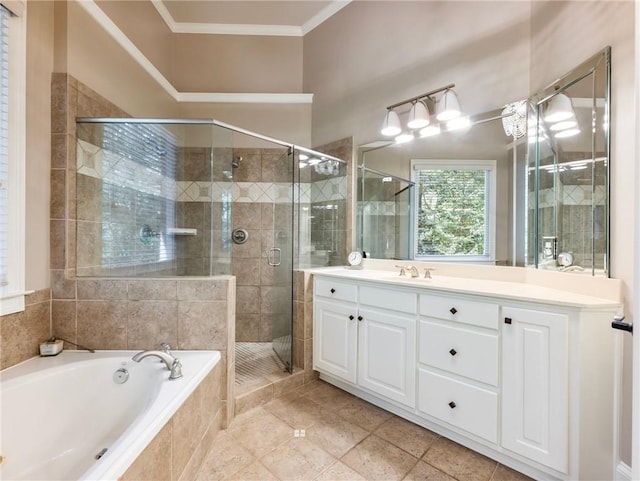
{"type": "Point", "coordinates": [171, 362]}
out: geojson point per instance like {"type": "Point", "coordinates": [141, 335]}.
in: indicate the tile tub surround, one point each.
{"type": "Point", "coordinates": [22, 332]}
{"type": "Point", "coordinates": [177, 451]}
{"type": "Point", "coordinates": [319, 432]}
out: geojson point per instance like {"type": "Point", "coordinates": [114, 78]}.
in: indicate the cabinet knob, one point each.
{"type": "Point", "coordinates": [453, 310]}
{"type": "Point", "coordinates": [351, 318]}
{"type": "Point", "coordinates": [453, 352]}
{"type": "Point", "coordinates": [332, 290]}
{"type": "Point", "coordinates": [452, 405]}
{"type": "Point", "coordinates": [507, 320]}
{"type": "Point", "coordinates": [359, 318]}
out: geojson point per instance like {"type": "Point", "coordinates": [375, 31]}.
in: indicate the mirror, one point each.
{"type": "Point", "coordinates": [547, 205]}
{"type": "Point", "coordinates": [568, 172]}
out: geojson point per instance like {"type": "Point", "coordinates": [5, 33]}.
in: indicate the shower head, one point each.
{"type": "Point", "coordinates": [236, 162]}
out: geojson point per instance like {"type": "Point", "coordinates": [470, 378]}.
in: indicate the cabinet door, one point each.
{"type": "Point", "coordinates": [335, 339]}
{"type": "Point", "coordinates": [535, 419]}
{"type": "Point", "coordinates": [387, 354]}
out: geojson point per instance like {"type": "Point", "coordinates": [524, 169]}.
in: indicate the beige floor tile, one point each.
{"type": "Point", "coordinates": [424, 472]}
{"type": "Point", "coordinates": [327, 395]}
{"type": "Point", "coordinates": [254, 472]}
{"type": "Point", "coordinates": [412, 438]}
{"type": "Point", "coordinates": [459, 462]}
{"type": "Point", "coordinates": [340, 472]}
{"type": "Point", "coordinates": [225, 458]}
{"type": "Point", "coordinates": [364, 414]}
{"type": "Point", "coordinates": [259, 431]}
{"type": "Point", "coordinates": [377, 459]}
{"type": "Point", "coordinates": [503, 473]}
{"type": "Point", "coordinates": [297, 459]}
{"type": "Point", "coordinates": [298, 412]}
{"type": "Point", "coordinates": [336, 435]}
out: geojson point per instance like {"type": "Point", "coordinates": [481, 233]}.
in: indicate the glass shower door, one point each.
{"type": "Point", "coordinates": [280, 259]}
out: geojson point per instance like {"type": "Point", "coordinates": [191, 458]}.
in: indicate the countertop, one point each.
{"type": "Point", "coordinates": [518, 291]}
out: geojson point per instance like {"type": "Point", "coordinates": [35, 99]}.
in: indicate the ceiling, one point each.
{"type": "Point", "coordinates": [247, 17]}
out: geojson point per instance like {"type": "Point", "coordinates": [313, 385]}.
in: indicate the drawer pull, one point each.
{"type": "Point", "coordinates": [351, 318]}
{"type": "Point", "coordinates": [453, 310]}
{"type": "Point", "coordinates": [452, 405]}
{"type": "Point", "coordinates": [332, 290]}
{"type": "Point", "coordinates": [359, 318]}
{"type": "Point", "coordinates": [507, 320]}
{"type": "Point", "coordinates": [453, 352]}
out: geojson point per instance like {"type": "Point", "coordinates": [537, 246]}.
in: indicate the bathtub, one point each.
{"type": "Point", "coordinates": [61, 413]}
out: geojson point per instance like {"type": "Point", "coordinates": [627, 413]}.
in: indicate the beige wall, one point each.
{"type": "Point", "coordinates": [563, 34]}
{"type": "Point", "coordinates": [237, 63]}
{"type": "Point", "coordinates": [95, 59]}
{"type": "Point", "coordinates": [38, 151]}
{"type": "Point", "coordinates": [144, 26]}
{"type": "Point", "coordinates": [373, 54]}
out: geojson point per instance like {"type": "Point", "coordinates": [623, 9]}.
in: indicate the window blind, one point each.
{"type": "Point", "coordinates": [4, 144]}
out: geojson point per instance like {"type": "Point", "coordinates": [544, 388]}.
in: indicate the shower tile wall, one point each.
{"type": "Point", "coordinates": [261, 203]}
{"type": "Point", "coordinates": [22, 332]}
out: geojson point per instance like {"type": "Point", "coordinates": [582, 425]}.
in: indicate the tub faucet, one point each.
{"type": "Point", "coordinates": [171, 362]}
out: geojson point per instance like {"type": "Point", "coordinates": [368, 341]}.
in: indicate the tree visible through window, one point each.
{"type": "Point", "coordinates": [453, 215]}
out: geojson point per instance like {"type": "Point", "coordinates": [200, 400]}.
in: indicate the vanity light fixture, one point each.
{"type": "Point", "coordinates": [559, 108]}
{"type": "Point", "coordinates": [405, 137]}
{"type": "Point", "coordinates": [391, 124]}
{"type": "Point", "coordinates": [448, 108]}
{"type": "Point", "coordinates": [569, 123]}
{"type": "Point", "coordinates": [459, 123]}
{"type": "Point", "coordinates": [418, 115]}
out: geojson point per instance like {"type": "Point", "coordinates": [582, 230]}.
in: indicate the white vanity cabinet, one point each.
{"type": "Point", "coordinates": [361, 341]}
{"type": "Point", "coordinates": [523, 375]}
{"type": "Point", "coordinates": [535, 385]}
{"type": "Point", "coordinates": [459, 363]}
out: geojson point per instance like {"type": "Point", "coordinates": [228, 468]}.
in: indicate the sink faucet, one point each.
{"type": "Point", "coordinates": [414, 271]}
{"type": "Point", "coordinates": [171, 362]}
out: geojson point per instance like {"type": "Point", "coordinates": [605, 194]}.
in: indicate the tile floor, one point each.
{"type": "Point", "coordinates": [323, 433]}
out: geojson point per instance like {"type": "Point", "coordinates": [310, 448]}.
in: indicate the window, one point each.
{"type": "Point", "coordinates": [454, 209]}
{"type": "Point", "coordinates": [12, 128]}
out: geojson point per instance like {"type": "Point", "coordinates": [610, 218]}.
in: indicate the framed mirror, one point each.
{"type": "Point", "coordinates": [568, 171]}
{"type": "Point", "coordinates": [546, 205]}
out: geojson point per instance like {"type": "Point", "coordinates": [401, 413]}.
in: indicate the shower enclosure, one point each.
{"type": "Point", "coordinates": [384, 214]}
{"type": "Point", "coordinates": [165, 197]}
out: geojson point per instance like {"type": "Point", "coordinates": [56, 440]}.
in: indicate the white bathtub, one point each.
{"type": "Point", "coordinates": [58, 413]}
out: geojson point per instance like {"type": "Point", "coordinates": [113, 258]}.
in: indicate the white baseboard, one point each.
{"type": "Point", "coordinates": [623, 472]}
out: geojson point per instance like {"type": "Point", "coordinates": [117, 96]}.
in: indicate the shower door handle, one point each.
{"type": "Point", "coordinates": [274, 253]}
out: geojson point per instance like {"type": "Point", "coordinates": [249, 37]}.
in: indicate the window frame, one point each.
{"type": "Point", "coordinates": [13, 292]}
{"type": "Point", "coordinates": [490, 204]}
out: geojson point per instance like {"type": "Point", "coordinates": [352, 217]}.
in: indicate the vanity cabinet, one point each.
{"type": "Point", "coordinates": [357, 340]}
{"type": "Point", "coordinates": [458, 363]}
{"type": "Point", "coordinates": [528, 381]}
{"type": "Point", "coordinates": [535, 385]}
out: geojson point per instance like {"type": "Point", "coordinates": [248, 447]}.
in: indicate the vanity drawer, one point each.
{"type": "Point", "coordinates": [460, 404]}
{"type": "Point", "coordinates": [335, 289]}
{"type": "Point", "coordinates": [460, 351]}
{"type": "Point", "coordinates": [466, 311]}
{"type": "Point", "coordinates": [397, 300]}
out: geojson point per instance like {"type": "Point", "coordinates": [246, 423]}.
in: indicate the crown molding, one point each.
{"type": "Point", "coordinates": [118, 35]}
{"type": "Point", "coordinates": [245, 98]}
{"type": "Point", "coordinates": [323, 15]}
{"type": "Point", "coordinates": [249, 29]}
{"type": "Point", "coordinates": [206, 97]}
